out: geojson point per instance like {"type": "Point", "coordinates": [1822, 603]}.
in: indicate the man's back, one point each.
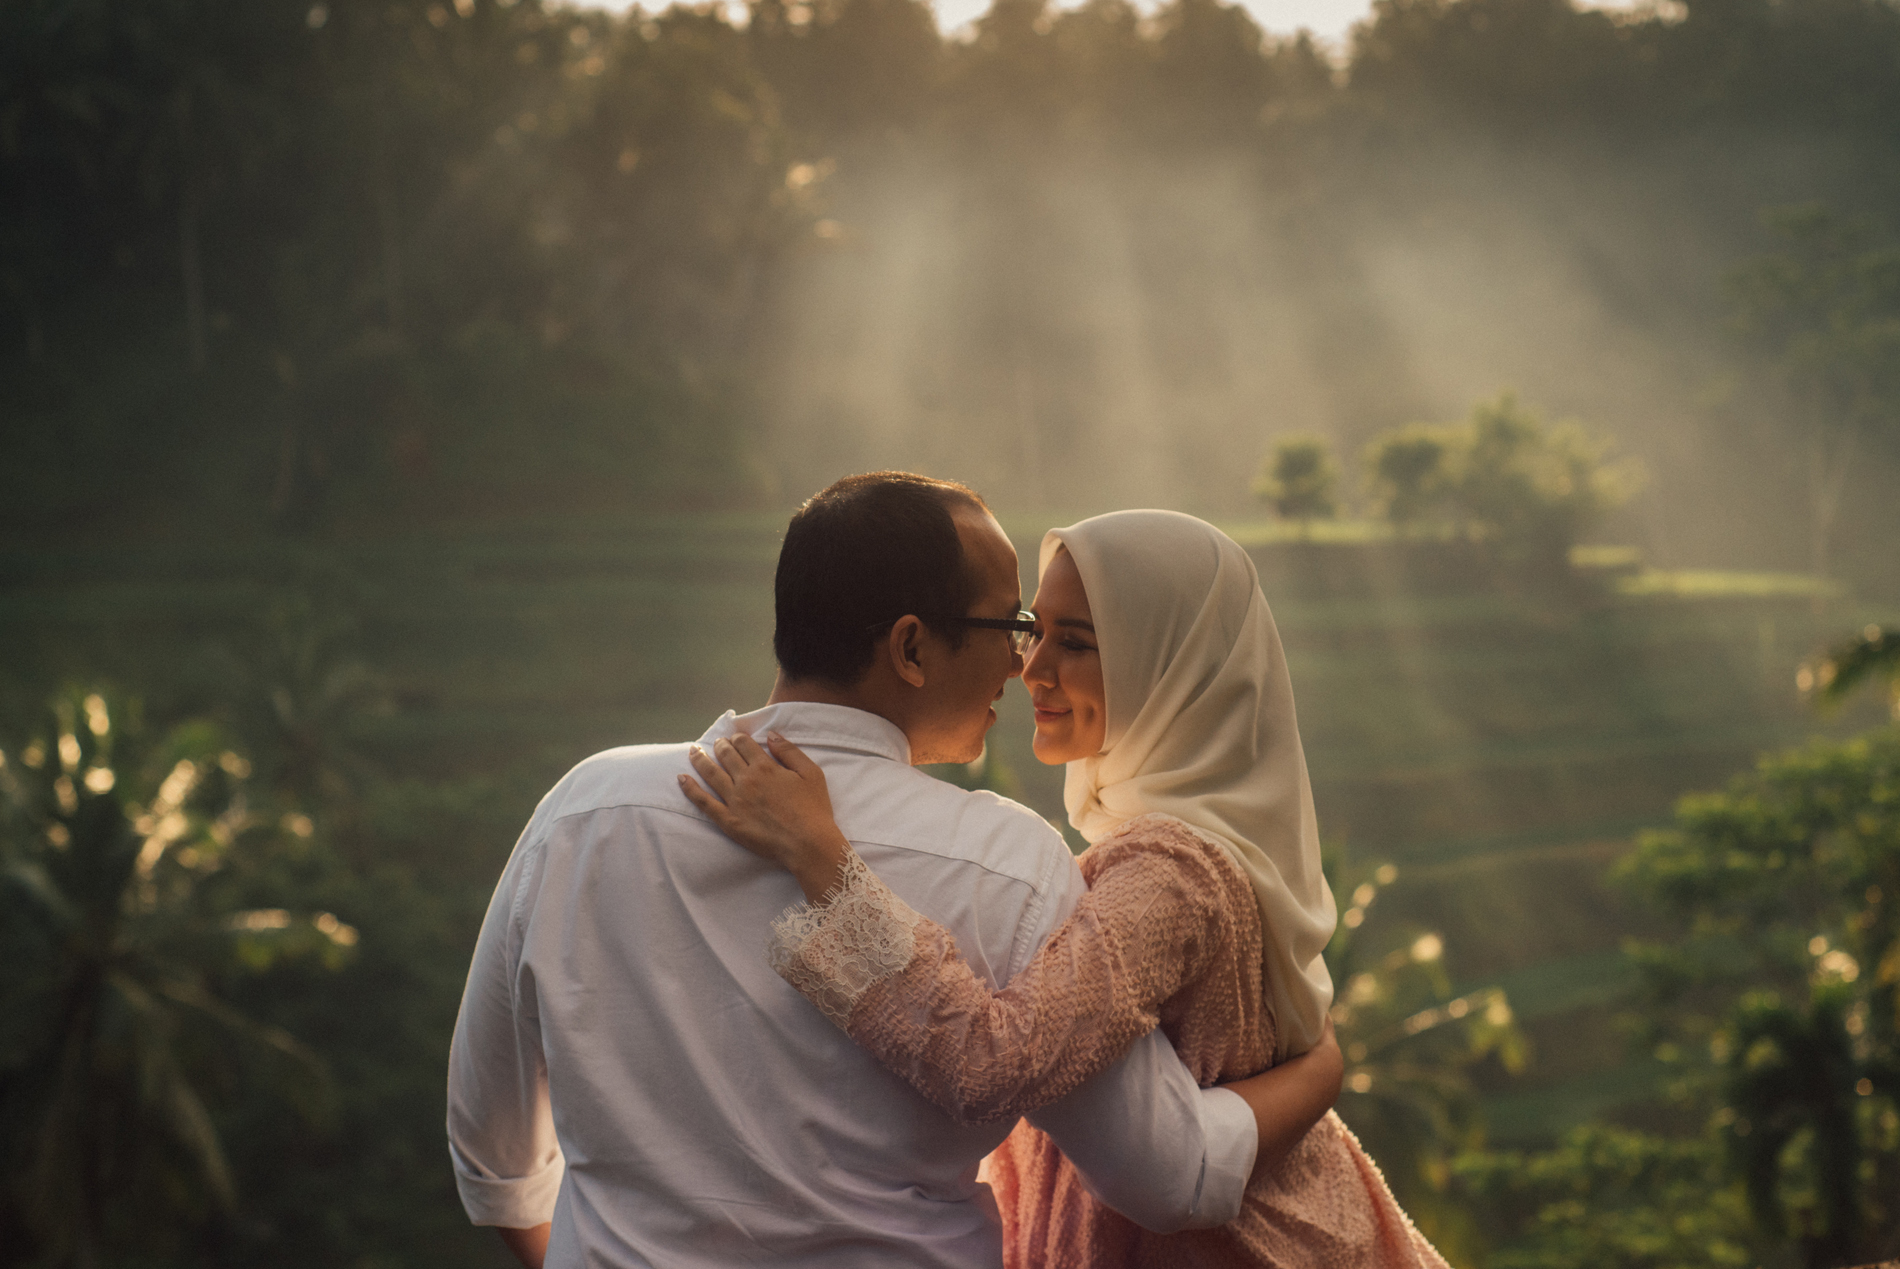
{"type": "Point", "coordinates": [707, 1113]}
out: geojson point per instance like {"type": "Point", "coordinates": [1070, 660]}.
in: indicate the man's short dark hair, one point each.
{"type": "Point", "coordinates": [860, 554]}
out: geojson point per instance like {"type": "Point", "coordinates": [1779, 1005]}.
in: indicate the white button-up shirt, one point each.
{"type": "Point", "coordinates": [627, 1065]}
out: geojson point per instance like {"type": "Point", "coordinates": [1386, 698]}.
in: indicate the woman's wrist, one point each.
{"type": "Point", "coordinates": [819, 867]}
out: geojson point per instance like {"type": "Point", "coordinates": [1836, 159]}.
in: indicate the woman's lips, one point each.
{"type": "Point", "coordinates": [1046, 715]}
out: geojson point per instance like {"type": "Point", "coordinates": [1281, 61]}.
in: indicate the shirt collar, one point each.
{"type": "Point", "coordinates": [808, 723]}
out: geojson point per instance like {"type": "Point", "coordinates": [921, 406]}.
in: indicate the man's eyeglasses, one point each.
{"type": "Point", "coordinates": [1021, 627]}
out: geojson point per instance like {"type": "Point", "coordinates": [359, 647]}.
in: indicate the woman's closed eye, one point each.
{"type": "Point", "coordinates": [1068, 641]}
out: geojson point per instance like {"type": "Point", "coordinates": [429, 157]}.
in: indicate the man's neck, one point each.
{"type": "Point", "coordinates": [786, 691]}
{"type": "Point", "coordinates": [818, 692]}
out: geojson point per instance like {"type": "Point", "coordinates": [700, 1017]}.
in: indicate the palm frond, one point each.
{"type": "Point", "coordinates": [1845, 667]}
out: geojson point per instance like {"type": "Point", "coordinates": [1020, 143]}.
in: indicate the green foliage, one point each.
{"type": "Point", "coordinates": [1407, 473]}
{"type": "Point", "coordinates": [1792, 1114]}
{"type": "Point", "coordinates": [1464, 61]}
{"type": "Point", "coordinates": [311, 267]}
{"type": "Point", "coordinates": [1825, 311]}
{"type": "Point", "coordinates": [1410, 1046]}
{"type": "Point", "coordinates": [363, 261]}
{"type": "Point", "coordinates": [309, 895]}
{"type": "Point", "coordinates": [1788, 978]}
{"type": "Point", "coordinates": [122, 906]}
{"type": "Point", "coordinates": [1503, 477]}
{"type": "Point", "coordinates": [1852, 663]}
{"type": "Point", "coordinates": [1609, 1198]}
{"type": "Point", "coordinates": [1298, 479]}
{"type": "Point", "coordinates": [1776, 1009]}
{"type": "Point", "coordinates": [300, 693]}
{"type": "Point", "coordinates": [1826, 307]}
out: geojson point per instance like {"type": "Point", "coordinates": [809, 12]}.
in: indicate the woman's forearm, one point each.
{"type": "Point", "coordinates": [1290, 1098]}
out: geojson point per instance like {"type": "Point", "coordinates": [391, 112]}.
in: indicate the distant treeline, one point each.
{"type": "Point", "coordinates": [381, 263]}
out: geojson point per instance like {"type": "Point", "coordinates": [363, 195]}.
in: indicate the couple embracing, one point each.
{"type": "Point", "coordinates": [665, 1059]}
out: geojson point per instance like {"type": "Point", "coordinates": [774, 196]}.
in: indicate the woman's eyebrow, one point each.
{"type": "Point", "coordinates": [1076, 623]}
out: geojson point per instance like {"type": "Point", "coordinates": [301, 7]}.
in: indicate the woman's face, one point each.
{"type": "Point", "coordinates": [1064, 669]}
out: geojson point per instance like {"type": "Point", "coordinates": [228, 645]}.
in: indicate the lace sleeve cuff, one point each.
{"type": "Point", "coordinates": [839, 948]}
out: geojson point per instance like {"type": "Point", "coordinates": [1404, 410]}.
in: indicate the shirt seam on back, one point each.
{"type": "Point", "coordinates": [1037, 889]}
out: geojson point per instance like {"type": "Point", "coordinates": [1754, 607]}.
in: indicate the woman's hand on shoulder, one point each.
{"type": "Point", "coordinates": [773, 801]}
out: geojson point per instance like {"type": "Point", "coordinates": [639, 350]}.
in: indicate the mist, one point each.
{"type": "Point", "coordinates": [1080, 329]}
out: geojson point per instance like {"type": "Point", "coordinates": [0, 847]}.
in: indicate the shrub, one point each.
{"type": "Point", "coordinates": [1502, 477]}
{"type": "Point", "coordinates": [1298, 479]}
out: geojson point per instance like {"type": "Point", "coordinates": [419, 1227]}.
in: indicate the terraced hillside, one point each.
{"type": "Point", "coordinates": [1499, 748]}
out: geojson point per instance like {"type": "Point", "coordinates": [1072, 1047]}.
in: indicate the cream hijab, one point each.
{"type": "Point", "coordinates": [1201, 727]}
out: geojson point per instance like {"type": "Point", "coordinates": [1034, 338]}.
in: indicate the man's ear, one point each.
{"type": "Point", "coordinates": [905, 649]}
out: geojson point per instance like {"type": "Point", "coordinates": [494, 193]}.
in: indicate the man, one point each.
{"type": "Point", "coordinates": [631, 1084]}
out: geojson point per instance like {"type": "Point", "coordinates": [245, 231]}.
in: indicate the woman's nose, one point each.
{"type": "Point", "coordinates": [1036, 666]}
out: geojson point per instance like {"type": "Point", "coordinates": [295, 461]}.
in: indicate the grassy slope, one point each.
{"type": "Point", "coordinates": [1500, 749]}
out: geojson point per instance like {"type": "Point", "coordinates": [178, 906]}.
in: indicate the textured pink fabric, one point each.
{"type": "Point", "coordinates": [1169, 932]}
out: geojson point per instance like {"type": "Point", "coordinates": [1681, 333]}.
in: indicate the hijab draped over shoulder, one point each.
{"type": "Point", "coordinates": [1201, 727]}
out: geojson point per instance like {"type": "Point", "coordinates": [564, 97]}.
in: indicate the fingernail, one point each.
{"type": "Point", "coordinates": [775, 735]}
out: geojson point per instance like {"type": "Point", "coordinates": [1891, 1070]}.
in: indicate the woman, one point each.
{"type": "Point", "coordinates": [1157, 676]}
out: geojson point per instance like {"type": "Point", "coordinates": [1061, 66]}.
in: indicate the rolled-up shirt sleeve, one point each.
{"type": "Point", "coordinates": [508, 1166]}
{"type": "Point", "coordinates": [1147, 1141]}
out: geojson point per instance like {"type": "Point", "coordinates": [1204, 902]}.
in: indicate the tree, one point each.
{"type": "Point", "coordinates": [1406, 475]}
{"type": "Point", "coordinates": [1825, 309]}
{"type": "Point", "coordinates": [1788, 979]}
{"type": "Point", "coordinates": [1501, 477]}
{"type": "Point", "coordinates": [1212, 70]}
{"type": "Point", "coordinates": [1297, 480]}
{"type": "Point", "coordinates": [1777, 1010]}
{"type": "Point", "coordinates": [113, 1034]}
{"type": "Point", "coordinates": [1531, 488]}
{"type": "Point", "coordinates": [1609, 1196]}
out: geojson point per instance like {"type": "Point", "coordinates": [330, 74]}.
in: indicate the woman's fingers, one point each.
{"type": "Point", "coordinates": [748, 749]}
{"type": "Point", "coordinates": [728, 821]}
{"type": "Point", "coordinates": [706, 802]}
{"type": "Point", "coordinates": [769, 799]}
{"type": "Point", "coordinates": [794, 758]}
{"type": "Point", "coordinates": [711, 772]}
{"type": "Point", "coordinates": [730, 756]}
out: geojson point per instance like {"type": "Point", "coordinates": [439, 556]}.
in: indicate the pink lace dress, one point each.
{"type": "Point", "coordinates": [1169, 934]}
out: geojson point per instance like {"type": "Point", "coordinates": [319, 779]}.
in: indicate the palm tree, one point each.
{"type": "Point", "coordinates": [1792, 1079]}
{"type": "Point", "coordinates": [112, 1031]}
{"type": "Point", "coordinates": [1847, 665]}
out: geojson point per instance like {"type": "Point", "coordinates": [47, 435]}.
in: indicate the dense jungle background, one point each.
{"type": "Point", "coordinates": [401, 400]}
